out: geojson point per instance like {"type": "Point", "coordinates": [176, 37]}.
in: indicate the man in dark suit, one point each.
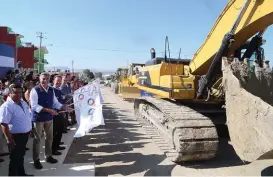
{"type": "Point", "coordinates": [58, 123]}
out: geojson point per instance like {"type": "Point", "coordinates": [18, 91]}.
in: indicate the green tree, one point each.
{"type": "Point", "coordinates": [87, 75]}
{"type": "Point", "coordinates": [98, 75]}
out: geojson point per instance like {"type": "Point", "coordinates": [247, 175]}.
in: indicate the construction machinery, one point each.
{"type": "Point", "coordinates": [120, 76]}
{"type": "Point", "coordinates": [193, 103]}
{"type": "Point", "coordinates": [128, 85]}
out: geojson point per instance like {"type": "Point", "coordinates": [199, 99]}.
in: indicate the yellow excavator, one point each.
{"type": "Point", "coordinates": [128, 85]}
{"type": "Point", "coordinates": [225, 88]}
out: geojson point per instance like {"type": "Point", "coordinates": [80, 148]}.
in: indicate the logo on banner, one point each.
{"type": "Point", "coordinates": [80, 97]}
{"type": "Point", "coordinates": [91, 111]}
{"type": "Point", "coordinates": [91, 102]}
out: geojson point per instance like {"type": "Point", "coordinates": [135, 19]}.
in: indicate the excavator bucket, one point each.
{"type": "Point", "coordinates": [249, 110]}
{"type": "Point", "coordinates": [129, 92]}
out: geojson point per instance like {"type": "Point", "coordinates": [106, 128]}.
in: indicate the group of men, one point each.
{"type": "Point", "coordinates": [44, 114]}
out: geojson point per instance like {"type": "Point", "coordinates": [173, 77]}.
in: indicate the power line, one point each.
{"type": "Point", "coordinates": [41, 36]}
{"type": "Point", "coordinates": [95, 49]}
{"type": "Point", "coordinates": [101, 49]}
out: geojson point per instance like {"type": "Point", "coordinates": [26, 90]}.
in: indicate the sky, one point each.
{"type": "Point", "coordinates": [107, 34]}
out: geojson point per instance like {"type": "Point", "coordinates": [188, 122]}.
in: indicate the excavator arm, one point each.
{"type": "Point", "coordinates": [248, 95]}
{"type": "Point", "coordinates": [238, 22]}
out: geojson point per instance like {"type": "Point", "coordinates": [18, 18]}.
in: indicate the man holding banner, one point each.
{"type": "Point", "coordinates": [88, 107]}
{"type": "Point", "coordinates": [43, 102]}
{"type": "Point", "coordinates": [58, 120]}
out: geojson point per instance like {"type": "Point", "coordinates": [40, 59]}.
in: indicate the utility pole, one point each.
{"type": "Point", "coordinates": [72, 68]}
{"type": "Point", "coordinates": [40, 36]}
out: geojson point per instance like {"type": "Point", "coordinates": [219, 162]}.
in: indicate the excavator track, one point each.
{"type": "Point", "coordinates": [182, 133]}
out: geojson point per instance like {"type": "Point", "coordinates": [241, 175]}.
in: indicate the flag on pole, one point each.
{"type": "Point", "coordinates": [88, 102]}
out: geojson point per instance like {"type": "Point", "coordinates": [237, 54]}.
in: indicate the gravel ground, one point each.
{"type": "Point", "coordinates": [122, 147]}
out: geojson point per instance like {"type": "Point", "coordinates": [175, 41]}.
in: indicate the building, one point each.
{"type": "Point", "coordinates": [23, 53]}
{"type": "Point", "coordinates": [39, 54]}
{"type": "Point", "coordinates": [26, 55]}
{"type": "Point", "coordinates": [32, 57]}
{"type": "Point", "coordinates": [8, 37]}
{"type": "Point", "coordinates": [6, 59]}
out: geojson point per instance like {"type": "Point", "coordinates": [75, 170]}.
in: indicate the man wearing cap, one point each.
{"type": "Point", "coordinates": [43, 104]}
{"type": "Point", "coordinates": [15, 119]}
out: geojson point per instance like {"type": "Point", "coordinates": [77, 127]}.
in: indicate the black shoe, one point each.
{"type": "Point", "coordinates": [56, 153]}
{"type": "Point", "coordinates": [61, 148]}
{"type": "Point", "coordinates": [1, 160]}
{"type": "Point", "coordinates": [61, 143]}
{"type": "Point", "coordinates": [38, 164]}
{"type": "Point", "coordinates": [50, 159]}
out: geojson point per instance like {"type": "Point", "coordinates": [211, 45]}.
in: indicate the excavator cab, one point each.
{"type": "Point", "coordinates": [133, 73]}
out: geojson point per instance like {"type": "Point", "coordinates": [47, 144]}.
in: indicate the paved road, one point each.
{"type": "Point", "coordinates": [122, 147]}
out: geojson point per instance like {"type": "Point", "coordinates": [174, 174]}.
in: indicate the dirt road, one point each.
{"type": "Point", "coordinates": [123, 147]}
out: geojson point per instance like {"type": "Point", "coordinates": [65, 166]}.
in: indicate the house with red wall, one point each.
{"type": "Point", "coordinates": [26, 56]}
{"type": "Point", "coordinates": [9, 38]}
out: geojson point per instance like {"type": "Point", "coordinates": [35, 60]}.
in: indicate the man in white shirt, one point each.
{"type": "Point", "coordinates": [15, 119]}
{"type": "Point", "coordinates": [43, 104]}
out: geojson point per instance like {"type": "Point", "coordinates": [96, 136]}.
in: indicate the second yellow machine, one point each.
{"type": "Point", "coordinates": [127, 84]}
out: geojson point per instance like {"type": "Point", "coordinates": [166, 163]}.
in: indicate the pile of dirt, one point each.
{"type": "Point", "coordinates": [249, 109]}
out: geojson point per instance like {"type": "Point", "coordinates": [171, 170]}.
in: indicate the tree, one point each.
{"type": "Point", "coordinates": [98, 75]}
{"type": "Point", "coordinates": [87, 75]}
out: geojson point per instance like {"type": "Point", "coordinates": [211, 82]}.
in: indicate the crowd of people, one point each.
{"type": "Point", "coordinates": [35, 106]}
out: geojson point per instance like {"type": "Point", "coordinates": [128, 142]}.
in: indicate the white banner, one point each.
{"type": "Point", "coordinates": [88, 107]}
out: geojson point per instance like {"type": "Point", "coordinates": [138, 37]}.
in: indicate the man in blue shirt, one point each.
{"type": "Point", "coordinates": [15, 119]}
{"type": "Point", "coordinates": [43, 104]}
